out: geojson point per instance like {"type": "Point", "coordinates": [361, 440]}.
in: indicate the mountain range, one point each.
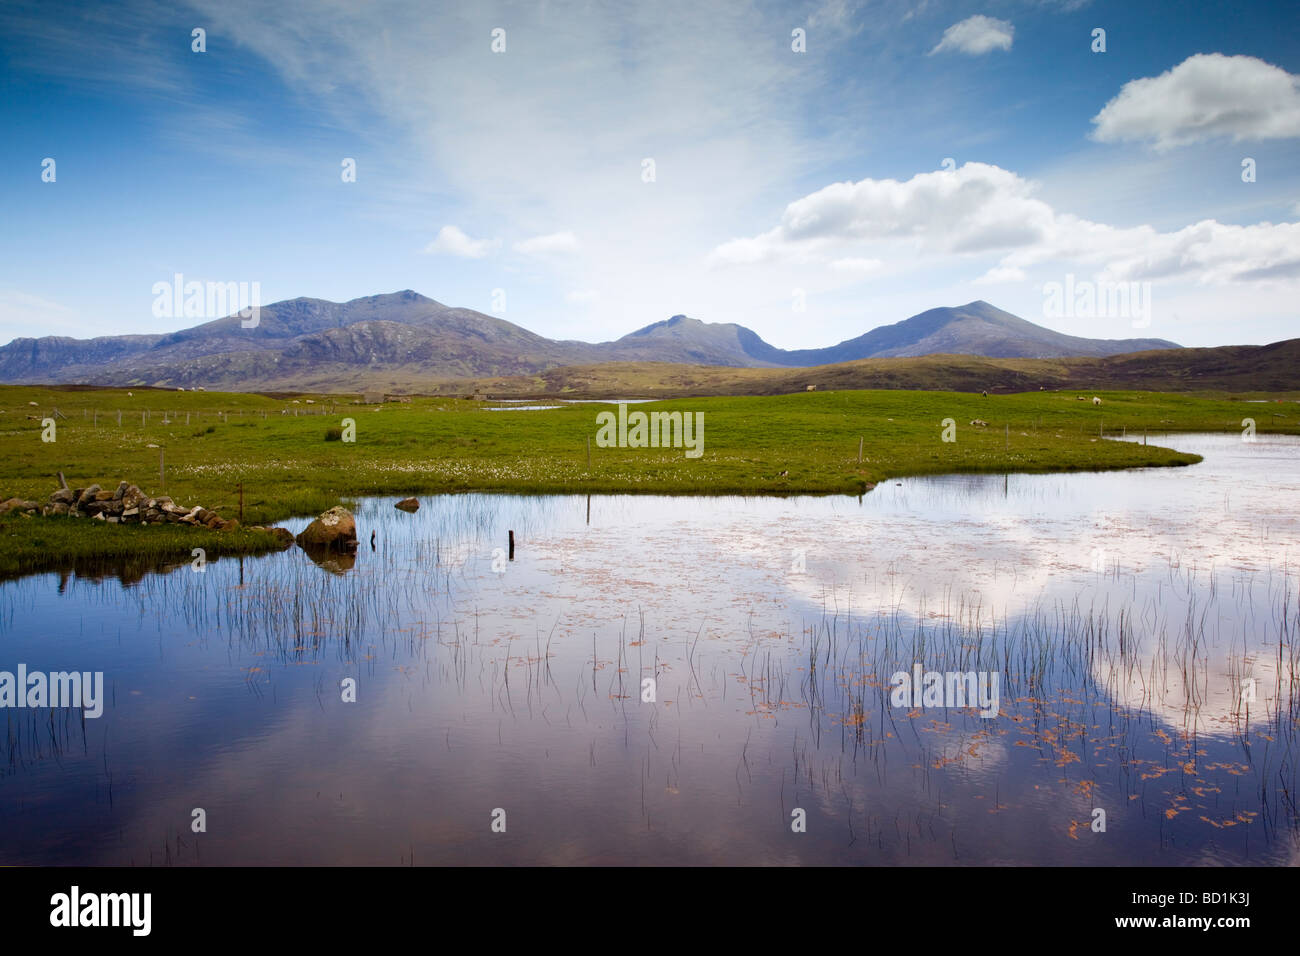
{"type": "Point", "coordinates": [313, 343]}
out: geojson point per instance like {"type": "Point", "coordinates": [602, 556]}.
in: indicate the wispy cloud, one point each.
{"type": "Point", "coordinates": [551, 243]}
{"type": "Point", "coordinates": [976, 35]}
{"type": "Point", "coordinates": [451, 241]}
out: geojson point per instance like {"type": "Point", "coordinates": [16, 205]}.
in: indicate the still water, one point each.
{"type": "Point", "coordinates": [1140, 626]}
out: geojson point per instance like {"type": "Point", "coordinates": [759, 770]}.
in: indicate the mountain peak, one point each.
{"type": "Point", "coordinates": [676, 322]}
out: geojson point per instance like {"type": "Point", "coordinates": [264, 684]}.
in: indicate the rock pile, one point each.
{"type": "Point", "coordinates": [127, 505]}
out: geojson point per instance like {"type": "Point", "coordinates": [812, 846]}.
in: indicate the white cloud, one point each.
{"type": "Point", "coordinates": [856, 266]}
{"type": "Point", "coordinates": [452, 241]}
{"type": "Point", "coordinates": [976, 35]}
{"type": "Point", "coordinates": [1001, 275]}
{"type": "Point", "coordinates": [1207, 95]}
{"type": "Point", "coordinates": [980, 208]}
{"type": "Point", "coordinates": [974, 208]}
{"type": "Point", "coordinates": [581, 296]}
{"type": "Point", "coordinates": [555, 242]}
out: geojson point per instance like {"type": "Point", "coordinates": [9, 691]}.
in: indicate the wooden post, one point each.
{"type": "Point", "coordinates": [63, 482]}
{"type": "Point", "coordinates": [162, 481]}
{"type": "Point", "coordinates": [119, 418]}
{"type": "Point", "coordinates": [859, 449]}
{"type": "Point", "coordinates": [512, 545]}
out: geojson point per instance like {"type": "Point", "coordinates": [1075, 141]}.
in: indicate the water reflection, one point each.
{"type": "Point", "coordinates": [1143, 625]}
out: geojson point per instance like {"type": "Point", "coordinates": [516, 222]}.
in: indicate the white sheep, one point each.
{"type": "Point", "coordinates": [1096, 400]}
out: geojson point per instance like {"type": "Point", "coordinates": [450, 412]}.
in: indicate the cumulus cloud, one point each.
{"type": "Point", "coordinates": [554, 242]}
{"type": "Point", "coordinates": [1206, 96]}
{"type": "Point", "coordinates": [980, 208]}
{"type": "Point", "coordinates": [976, 35]}
{"type": "Point", "coordinates": [451, 241]}
{"type": "Point", "coordinates": [974, 208]}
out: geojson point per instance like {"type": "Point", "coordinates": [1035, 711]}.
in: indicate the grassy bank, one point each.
{"type": "Point", "coordinates": [39, 544]}
{"type": "Point", "coordinates": [277, 447]}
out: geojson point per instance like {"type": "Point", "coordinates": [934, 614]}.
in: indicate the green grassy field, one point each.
{"type": "Point", "coordinates": [213, 441]}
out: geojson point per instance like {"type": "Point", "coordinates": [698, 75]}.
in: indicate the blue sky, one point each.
{"type": "Point", "coordinates": [802, 194]}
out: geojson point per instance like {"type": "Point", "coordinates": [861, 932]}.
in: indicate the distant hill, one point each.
{"type": "Point", "coordinates": [1239, 369]}
{"type": "Point", "coordinates": [405, 337]}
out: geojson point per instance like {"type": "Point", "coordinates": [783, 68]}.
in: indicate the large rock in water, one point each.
{"type": "Point", "coordinates": [335, 530]}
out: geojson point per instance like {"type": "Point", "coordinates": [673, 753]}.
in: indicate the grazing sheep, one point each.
{"type": "Point", "coordinates": [985, 394]}
{"type": "Point", "coordinates": [1096, 400]}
